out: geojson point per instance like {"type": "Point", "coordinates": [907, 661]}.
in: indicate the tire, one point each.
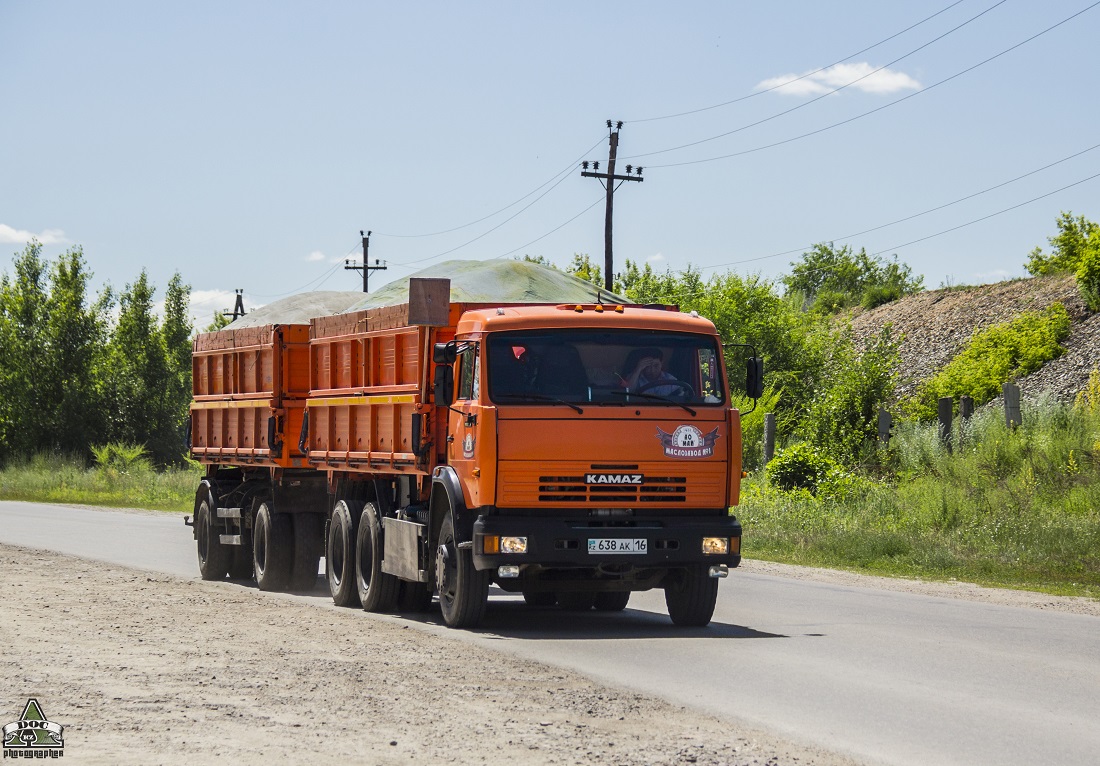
{"type": "Point", "coordinates": [414, 597]}
{"type": "Point", "coordinates": [540, 597]}
{"type": "Point", "coordinates": [340, 554]}
{"type": "Point", "coordinates": [309, 544]}
{"type": "Point", "coordinates": [463, 591]}
{"type": "Point", "coordinates": [691, 598]}
{"type": "Point", "coordinates": [272, 548]}
{"type": "Point", "coordinates": [214, 558]}
{"type": "Point", "coordinates": [377, 590]}
{"type": "Point", "coordinates": [576, 600]}
{"type": "Point", "coordinates": [612, 601]}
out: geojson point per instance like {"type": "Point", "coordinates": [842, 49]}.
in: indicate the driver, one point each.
{"type": "Point", "coordinates": [644, 371]}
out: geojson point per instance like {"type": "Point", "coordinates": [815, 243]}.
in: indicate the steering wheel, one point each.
{"type": "Point", "coordinates": [685, 391]}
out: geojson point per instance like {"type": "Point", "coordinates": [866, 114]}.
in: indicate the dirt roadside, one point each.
{"type": "Point", "coordinates": [145, 668]}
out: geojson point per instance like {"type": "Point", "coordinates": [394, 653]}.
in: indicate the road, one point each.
{"type": "Point", "coordinates": [881, 676]}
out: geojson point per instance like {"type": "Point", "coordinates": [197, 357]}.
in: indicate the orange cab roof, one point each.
{"type": "Point", "coordinates": [482, 320]}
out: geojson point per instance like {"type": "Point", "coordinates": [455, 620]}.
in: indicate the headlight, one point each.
{"type": "Point", "coordinates": [513, 545]}
{"type": "Point", "coordinates": [716, 546]}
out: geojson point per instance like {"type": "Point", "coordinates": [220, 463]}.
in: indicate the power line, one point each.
{"type": "Point", "coordinates": [915, 215]}
{"type": "Point", "coordinates": [562, 225]}
{"type": "Point", "coordinates": [302, 288]}
{"type": "Point", "coordinates": [808, 74]}
{"type": "Point", "coordinates": [556, 177]}
{"type": "Point", "coordinates": [817, 98]}
{"type": "Point", "coordinates": [905, 244]}
{"type": "Point", "coordinates": [490, 231]}
{"type": "Point", "coordinates": [884, 106]}
{"type": "Point", "coordinates": [991, 215]}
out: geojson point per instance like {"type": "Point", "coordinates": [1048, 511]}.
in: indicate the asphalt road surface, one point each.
{"type": "Point", "coordinates": [880, 675]}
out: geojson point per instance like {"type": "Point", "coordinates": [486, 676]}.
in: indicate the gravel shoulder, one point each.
{"type": "Point", "coordinates": [149, 668]}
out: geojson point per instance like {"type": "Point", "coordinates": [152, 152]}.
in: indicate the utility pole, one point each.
{"type": "Point", "coordinates": [238, 308]}
{"type": "Point", "coordinates": [366, 268]}
{"type": "Point", "coordinates": [608, 179]}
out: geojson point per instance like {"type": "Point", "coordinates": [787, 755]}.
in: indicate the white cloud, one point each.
{"type": "Point", "coordinates": [11, 236]}
{"type": "Point", "coordinates": [315, 256]}
{"type": "Point", "coordinates": [655, 258]}
{"type": "Point", "coordinates": [883, 82]}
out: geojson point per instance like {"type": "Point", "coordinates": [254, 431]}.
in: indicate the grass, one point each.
{"type": "Point", "coordinates": [66, 479]}
{"type": "Point", "coordinates": [1016, 509]}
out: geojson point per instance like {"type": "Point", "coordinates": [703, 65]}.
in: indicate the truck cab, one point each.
{"type": "Point", "coordinates": [591, 451]}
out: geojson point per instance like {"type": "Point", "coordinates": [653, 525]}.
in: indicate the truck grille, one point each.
{"type": "Point", "coordinates": [572, 489]}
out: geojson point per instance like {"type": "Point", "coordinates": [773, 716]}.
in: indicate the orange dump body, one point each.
{"type": "Point", "coordinates": [249, 390]}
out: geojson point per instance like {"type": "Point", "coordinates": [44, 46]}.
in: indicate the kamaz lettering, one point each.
{"type": "Point", "coordinates": [613, 478]}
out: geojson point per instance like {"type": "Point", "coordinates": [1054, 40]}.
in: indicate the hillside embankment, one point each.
{"type": "Point", "coordinates": [937, 324]}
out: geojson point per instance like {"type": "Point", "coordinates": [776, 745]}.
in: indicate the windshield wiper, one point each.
{"type": "Point", "coordinates": [657, 397]}
{"type": "Point", "coordinates": [539, 398]}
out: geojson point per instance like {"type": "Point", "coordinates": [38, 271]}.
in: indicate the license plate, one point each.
{"type": "Point", "coordinates": [617, 545]}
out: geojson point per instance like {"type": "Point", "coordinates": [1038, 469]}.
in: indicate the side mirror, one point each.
{"type": "Point", "coordinates": [445, 353]}
{"type": "Point", "coordinates": [444, 388]}
{"type": "Point", "coordinates": [754, 377]}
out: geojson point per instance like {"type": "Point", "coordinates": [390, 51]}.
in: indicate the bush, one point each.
{"type": "Point", "coordinates": [1088, 273]}
{"type": "Point", "coordinates": [800, 467]}
{"type": "Point", "coordinates": [995, 356]}
{"type": "Point", "coordinates": [843, 417]}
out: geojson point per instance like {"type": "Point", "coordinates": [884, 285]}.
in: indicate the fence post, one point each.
{"type": "Point", "coordinates": [885, 421]}
{"type": "Point", "coordinates": [966, 409]}
{"type": "Point", "coordinates": [944, 410]}
{"type": "Point", "coordinates": [1013, 416]}
{"type": "Point", "coordinates": [769, 437]}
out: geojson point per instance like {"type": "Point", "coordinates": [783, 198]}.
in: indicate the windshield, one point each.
{"type": "Point", "coordinates": [606, 366]}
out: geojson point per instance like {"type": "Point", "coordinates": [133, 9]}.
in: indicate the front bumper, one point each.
{"type": "Point", "coordinates": [554, 543]}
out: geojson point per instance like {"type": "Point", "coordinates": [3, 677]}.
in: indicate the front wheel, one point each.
{"type": "Point", "coordinates": [214, 558]}
{"type": "Point", "coordinates": [463, 591]}
{"type": "Point", "coordinates": [691, 597]}
{"type": "Point", "coordinates": [377, 590]}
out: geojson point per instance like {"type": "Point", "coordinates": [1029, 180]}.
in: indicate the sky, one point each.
{"type": "Point", "coordinates": [246, 144]}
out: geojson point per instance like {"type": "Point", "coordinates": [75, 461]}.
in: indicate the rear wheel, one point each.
{"type": "Point", "coordinates": [272, 548]}
{"type": "Point", "coordinates": [340, 554]}
{"type": "Point", "coordinates": [540, 597]}
{"type": "Point", "coordinates": [214, 558]}
{"type": "Point", "coordinates": [691, 597]}
{"type": "Point", "coordinates": [576, 600]}
{"type": "Point", "coordinates": [377, 590]}
{"type": "Point", "coordinates": [463, 591]}
{"type": "Point", "coordinates": [309, 544]}
{"type": "Point", "coordinates": [612, 601]}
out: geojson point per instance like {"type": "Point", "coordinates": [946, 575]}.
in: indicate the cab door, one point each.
{"type": "Point", "coordinates": [471, 448]}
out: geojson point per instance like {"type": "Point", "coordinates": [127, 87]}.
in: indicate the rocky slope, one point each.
{"type": "Point", "coordinates": [936, 325]}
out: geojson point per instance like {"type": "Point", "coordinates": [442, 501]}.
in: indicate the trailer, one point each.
{"type": "Point", "coordinates": [434, 448]}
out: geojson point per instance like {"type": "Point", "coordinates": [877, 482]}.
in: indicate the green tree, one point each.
{"type": "Point", "coordinates": [829, 279]}
{"type": "Point", "coordinates": [75, 335]}
{"type": "Point", "coordinates": [1068, 247]}
{"type": "Point", "coordinates": [138, 381]}
{"type": "Point", "coordinates": [176, 334]}
{"type": "Point", "coordinates": [23, 350]}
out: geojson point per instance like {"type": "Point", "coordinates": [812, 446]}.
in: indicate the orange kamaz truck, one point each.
{"type": "Point", "coordinates": [574, 453]}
